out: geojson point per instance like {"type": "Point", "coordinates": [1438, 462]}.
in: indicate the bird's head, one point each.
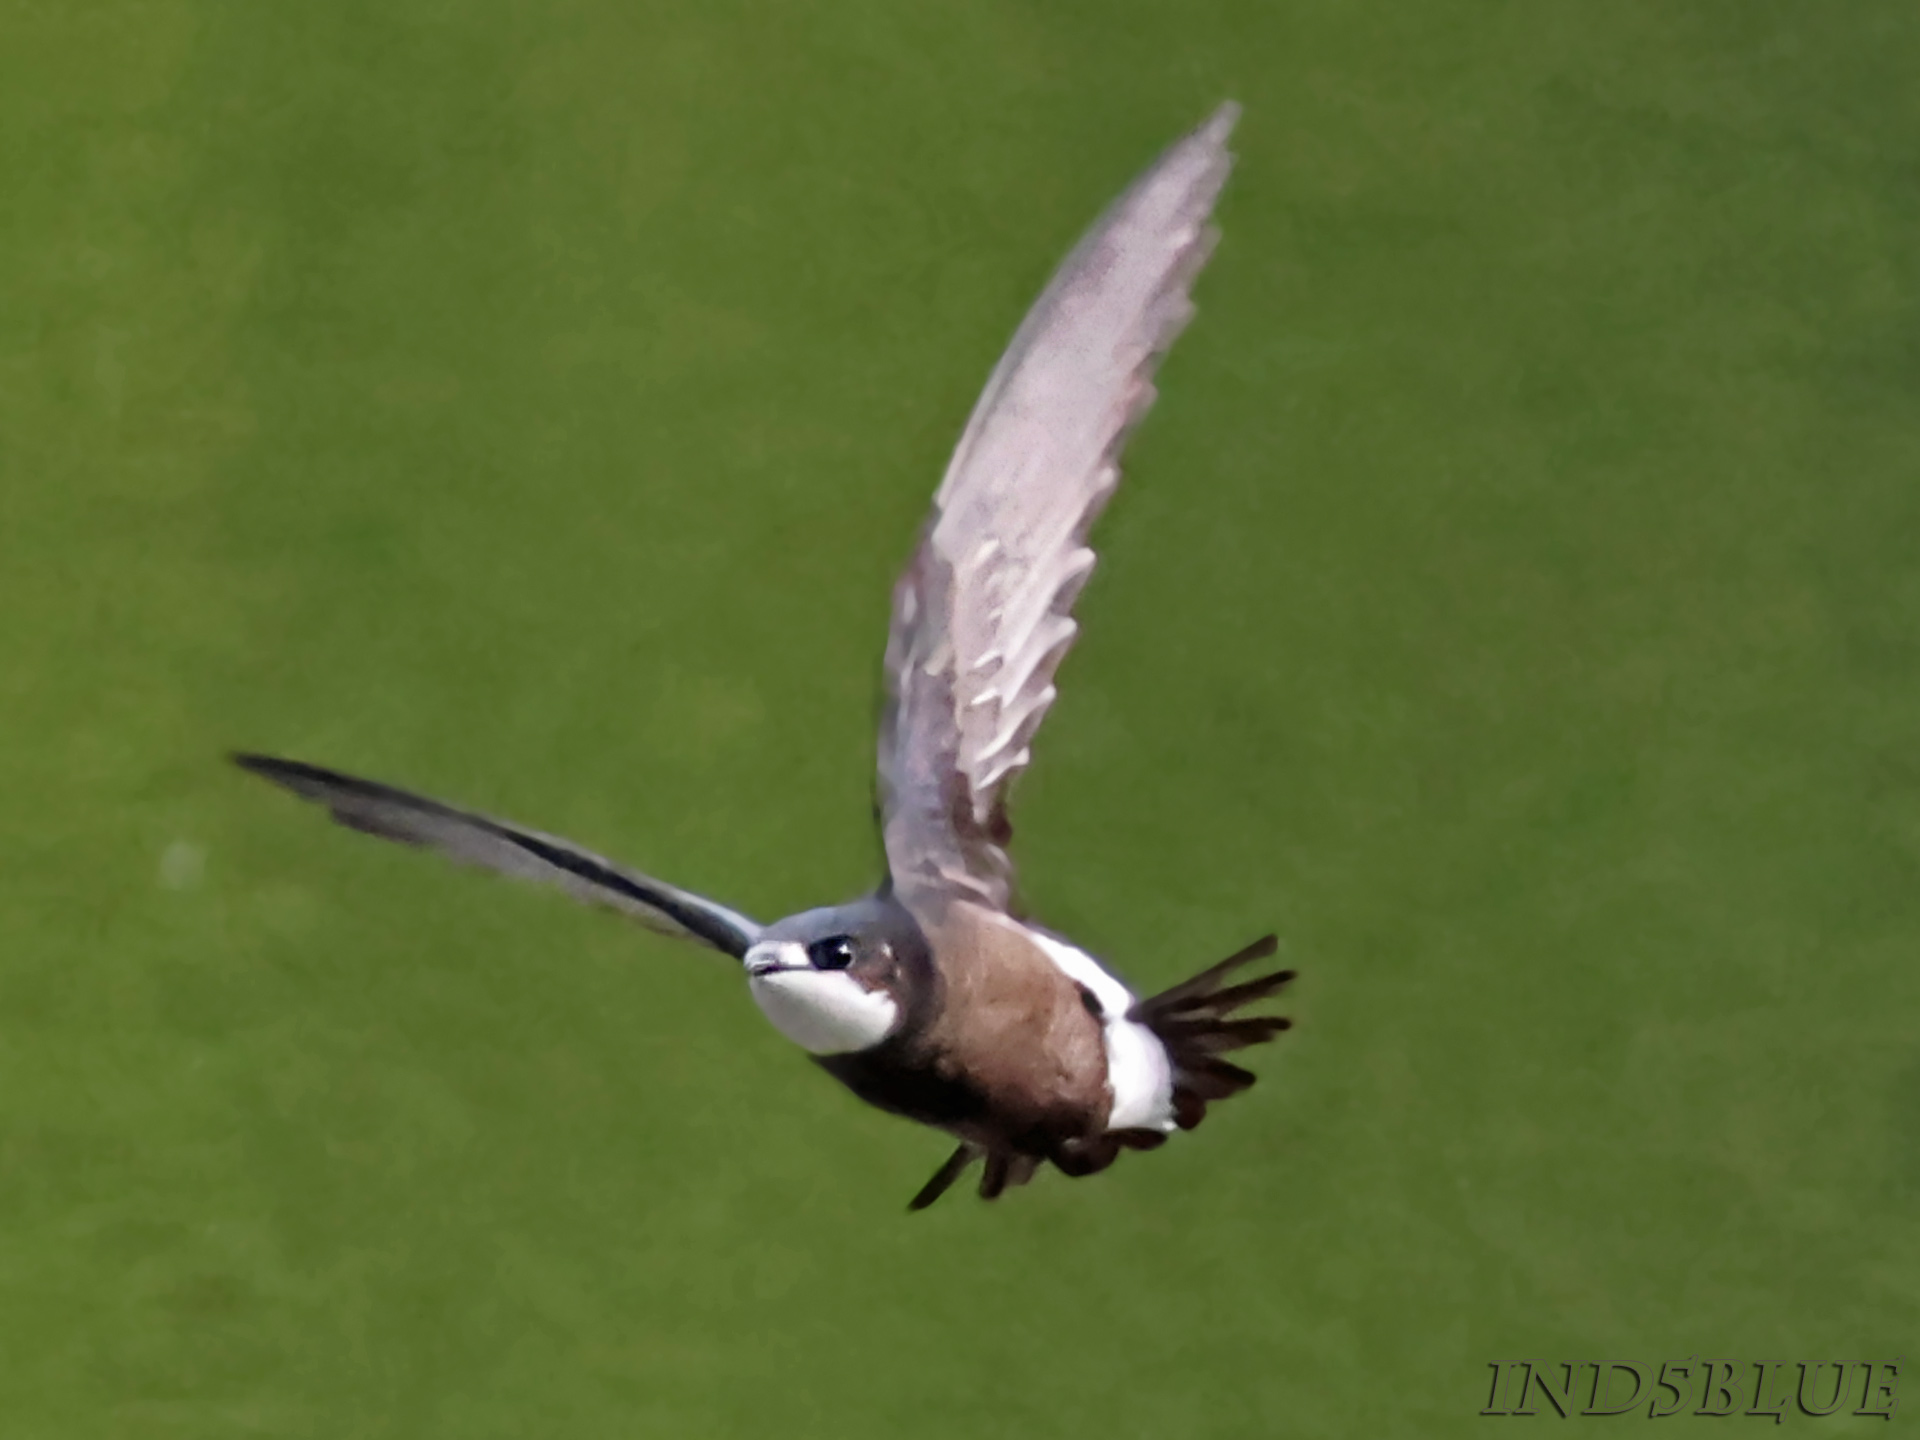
{"type": "Point", "coordinates": [839, 979]}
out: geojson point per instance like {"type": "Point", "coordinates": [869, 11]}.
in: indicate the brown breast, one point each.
{"type": "Point", "coordinates": [1016, 1028]}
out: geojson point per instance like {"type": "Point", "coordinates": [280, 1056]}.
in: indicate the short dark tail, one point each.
{"type": "Point", "coordinates": [1195, 1020]}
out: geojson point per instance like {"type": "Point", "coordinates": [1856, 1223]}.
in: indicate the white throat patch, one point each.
{"type": "Point", "coordinates": [825, 1012]}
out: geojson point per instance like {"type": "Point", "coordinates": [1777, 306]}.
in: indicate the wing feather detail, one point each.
{"type": "Point", "coordinates": [982, 616]}
{"type": "Point", "coordinates": [391, 814]}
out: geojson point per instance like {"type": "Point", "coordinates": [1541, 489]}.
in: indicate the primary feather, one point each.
{"type": "Point", "coordinates": [983, 614]}
{"type": "Point", "coordinates": [394, 814]}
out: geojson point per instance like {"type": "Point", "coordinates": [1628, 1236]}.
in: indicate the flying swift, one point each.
{"type": "Point", "coordinates": [934, 998]}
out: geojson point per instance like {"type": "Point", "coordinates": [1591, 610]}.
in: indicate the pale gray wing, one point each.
{"type": "Point", "coordinates": [527, 854]}
{"type": "Point", "coordinates": [982, 616]}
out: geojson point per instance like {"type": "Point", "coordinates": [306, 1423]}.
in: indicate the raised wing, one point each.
{"type": "Point", "coordinates": [527, 854]}
{"type": "Point", "coordinates": [982, 616]}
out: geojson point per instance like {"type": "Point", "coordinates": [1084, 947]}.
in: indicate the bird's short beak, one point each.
{"type": "Point", "coordinates": [771, 959]}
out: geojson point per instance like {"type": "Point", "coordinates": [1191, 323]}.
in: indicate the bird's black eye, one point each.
{"type": "Point", "coordinates": [834, 954]}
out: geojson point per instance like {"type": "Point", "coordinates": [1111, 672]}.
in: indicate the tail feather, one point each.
{"type": "Point", "coordinates": [1196, 1023]}
{"type": "Point", "coordinates": [1235, 996]}
{"type": "Point", "coordinates": [1188, 1108]}
{"type": "Point", "coordinates": [1218, 1035]}
{"type": "Point", "coordinates": [1204, 984]}
{"type": "Point", "coordinates": [1226, 1076]}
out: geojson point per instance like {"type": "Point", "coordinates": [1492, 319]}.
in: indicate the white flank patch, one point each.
{"type": "Point", "coordinates": [825, 1012]}
{"type": "Point", "coordinates": [1138, 1072]}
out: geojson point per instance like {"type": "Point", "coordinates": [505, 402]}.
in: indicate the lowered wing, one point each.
{"type": "Point", "coordinates": [476, 840]}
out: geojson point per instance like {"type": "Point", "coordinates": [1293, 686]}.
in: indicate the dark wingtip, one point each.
{"type": "Point", "coordinates": [273, 771]}
{"type": "Point", "coordinates": [296, 775]}
{"type": "Point", "coordinates": [270, 767]}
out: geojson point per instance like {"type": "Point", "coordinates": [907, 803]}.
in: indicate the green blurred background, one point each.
{"type": "Point", "coordinates": [1513, 601]}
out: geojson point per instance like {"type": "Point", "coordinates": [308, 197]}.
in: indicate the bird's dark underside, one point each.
{"type": "Point", "coordinates": [1195, 1020]}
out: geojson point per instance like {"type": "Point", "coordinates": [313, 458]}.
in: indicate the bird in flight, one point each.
{"type": "Point", "coordinates": [933, 998]}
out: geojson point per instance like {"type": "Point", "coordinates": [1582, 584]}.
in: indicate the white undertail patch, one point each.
{"type": "Point", "coordinates": [1138, 1071]}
